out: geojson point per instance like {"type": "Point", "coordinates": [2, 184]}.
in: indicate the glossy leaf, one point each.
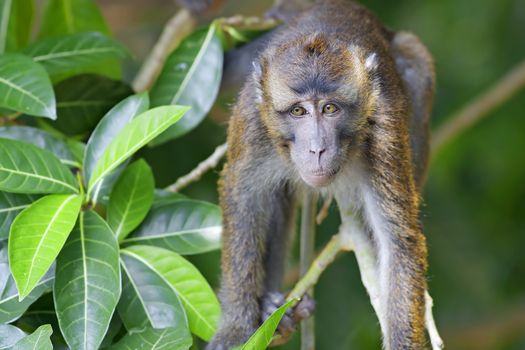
{"type": "Point", "coordinates": [82, 100]}
{"type": "Point", "coordinates": [71, 16]}
{"type": "Point", "coordinates": [10, 205]}
{"type": "Point", "coordinates": [184, 226]}
{"type": "Point", "coordinates": [162, 197]}
{"type": "Point", "coordinates": [10, 306]}
{"type": "Point", "coordinates": [130, 199]}
{"type": "Point", "coordinates": [114, 330]}
{"type": "Point", "coordinates": [133, 136]}
{"type": "Point", "coordinates": [16, 17]}
{"type": "Point", "coordinates": [37, 236]}
{"type": "Point", "coordinates": [191, 76]}
{"type": "Point", "coordinates": [4, 266]}
{"type": "Point", "coordinates": [106, 130]}
{"type": "Point", "coordinates": [197, 297]}
{"type": "Point", "coordinates": [42, 311]}
{"type": "Point", "coordinates": [155, 339]}
{"type": "Point", "coordinates": [76, 16]}
{"type": "Point", "coordinates": [25, 86]}
{"type": "Point", "coordinates": [263, 336]}
{"type": "Point", "coordinates": [39, 340]}
{"type": "Point", "coordinates": [78, 149]}
{"type": "Point", "coordinates": [148, 300]}
{"type": "Point", "coordinates": [74, 51]}
{"type": "Point", "coordinates": [21, 24]}
{"type": "Point", "coordinates": [9, 336]}
{"type": "Point", "coordinates": [25, 168]}
{"type": "Point", "coordinates": [6, 12]}
{"type": "Point", "coordinates": [87, 282]}
{"type": "Point", "coordinates": [41, 139]}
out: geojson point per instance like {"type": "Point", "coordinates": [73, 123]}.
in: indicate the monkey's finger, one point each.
{"type": "Point", "coordinates": [287, 326]}
{"type": "Point", "coordinates": [304, 309]}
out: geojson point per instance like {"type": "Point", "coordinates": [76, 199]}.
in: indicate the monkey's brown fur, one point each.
{"type": "Point", "coordinates": [337, 50]}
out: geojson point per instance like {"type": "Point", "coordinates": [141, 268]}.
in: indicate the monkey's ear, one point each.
{"type": "Point", "coordinates": [371, 62]}
{"type": "Point", "coordinates": [257, 70]}
{"type": "Point", "coordinates": [257, 78]}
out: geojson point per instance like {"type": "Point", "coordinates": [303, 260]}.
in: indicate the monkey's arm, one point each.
{"type": "Point", "coordinates": [257, 211]}
{"type": "Point", "coordinates": [391, 204]}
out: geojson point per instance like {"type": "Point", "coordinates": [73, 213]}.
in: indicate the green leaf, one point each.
{"type": "Point", "coordinates": [155, 339]}
{"type": "Point", "coordinates": [109, 127]}
{"type": "Point", "coordinates": [6, 13]}
{"type": "Point", "coordinates": [84, 99]}
{"type": "Point", "coordinates": [37, 235]}
{"type": "Point", "coordinates": [263, 336]}
{"type": "Point", "coordinates": [87, 282]}
{"type": "Point", "coordinates": [16, 18]}
{"type": "Point", "coordinates": [162, 197]}
{"type": "Point", "coordinates": [78, 149]}
{"type": "Point", "coordinates": [10, 306]}
{"type": "Point", "coordinates": [148, 300]}
{"type": "Point", "coordinates": [130, 199]}
{"type": "Point", "coordinates": [197, 297]}
{"type": "Point", "coordinates": [40, 339]}
{"type": "Point", "coordinates": [4, 266]}
{"type": "Point", "coordinates": [42, 311]}
{"type": "Point", "coordinates": [133, 136]}
{"type": "Point", "coordinates": [73, 52]}
{"type": "Point", "coordinates": [9, 336]}
{"type": "Point", "coordinates": [114, 330]}
{"type": "Point", "coordinates": [191, 76]}
{"type": "Point", "coordinates": [25, 86]}
{"type": "Point", "coordinates": [77, 16]}
{"type": "Point", "coordinates": [25, 168]}
{"type": "Point", "coordinates": [10, 205]}
{"type": "Point", "coordinates": [184, 226]}
{"type": "Point", "coordinates": [71, 16]}
{"type": "Point", "coordinates": [41, 139]}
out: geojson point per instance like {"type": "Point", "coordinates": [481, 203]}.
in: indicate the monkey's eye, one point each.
{"type": "Point", "coordinates": [330, 108]}
{"type": "Point", "coordinates": [297, 111]}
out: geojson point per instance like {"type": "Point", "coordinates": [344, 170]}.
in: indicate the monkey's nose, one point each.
{"type": "Point", "coordinates": [317, 151]}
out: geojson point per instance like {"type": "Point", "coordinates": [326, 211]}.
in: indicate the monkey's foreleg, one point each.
{"type": "Point", "coordinates": [354, 232]}
{"type": "Point", "coordinates": [244, 247]}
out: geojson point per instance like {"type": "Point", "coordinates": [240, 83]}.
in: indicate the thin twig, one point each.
{"type": "Point", "coordinates": [194, 175]}
{"type": "Point", "coordinates": [307, 244]}
{"type": "Point", "coordinates": [323, 213]}
{"type": "Point", "coordinates": [177, 28]}
{"type": "Point", "coordinates": [435, 338]}
{"type": "Point", "coordinates": [323, 260]}
{"type": "Point", "coordinates": [474, 111]}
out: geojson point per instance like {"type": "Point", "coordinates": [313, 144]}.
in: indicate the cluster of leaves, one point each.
{"type": "Point", "coordinates": [83, 231]}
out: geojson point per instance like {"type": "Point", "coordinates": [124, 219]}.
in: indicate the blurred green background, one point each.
{"type": "Point", "coordinates": [474, 210]}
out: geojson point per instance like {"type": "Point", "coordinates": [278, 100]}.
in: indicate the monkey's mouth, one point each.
{"type": "Point", "coordinates": [319, 178]}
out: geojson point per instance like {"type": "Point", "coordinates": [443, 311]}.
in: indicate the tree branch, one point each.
{"type": "Point", "coordinates": [194, 175]}
{"type": "Point", "coordinates": [307, 244]}
{"type": "Point", "coordinates": [475, 110]}
{"type": "Point", "coordinates": [323, 260]}
{"type": "Point", "coordinates": [177, 28]}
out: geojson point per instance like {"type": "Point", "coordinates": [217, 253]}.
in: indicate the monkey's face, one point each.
{"type": "Point", "coordinates": [315, 101]}
{"type": "Point", "coordinates": [313, 130]}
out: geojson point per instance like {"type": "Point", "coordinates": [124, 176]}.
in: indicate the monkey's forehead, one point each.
{"type": "Point", "coordinates": [291, 80]}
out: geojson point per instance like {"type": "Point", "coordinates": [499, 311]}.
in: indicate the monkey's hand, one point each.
{"type": "Point", "coordinates": [288, 325]}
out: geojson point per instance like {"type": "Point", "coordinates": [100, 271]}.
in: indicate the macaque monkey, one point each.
{"type": "Point", "coordinates": [334, 103]}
